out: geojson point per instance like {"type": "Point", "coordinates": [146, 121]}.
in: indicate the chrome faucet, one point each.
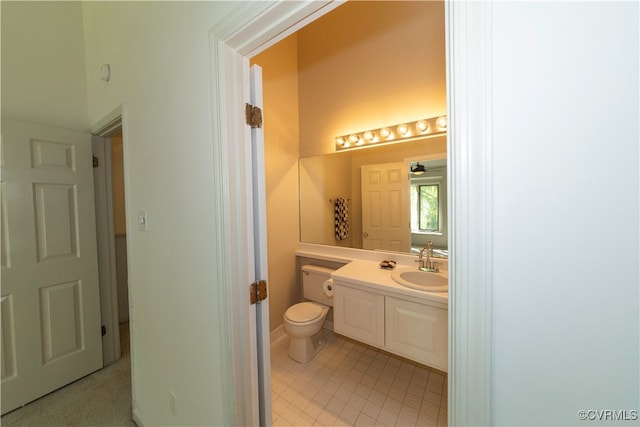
{"type": "Point", "coordinates": [427, 264]}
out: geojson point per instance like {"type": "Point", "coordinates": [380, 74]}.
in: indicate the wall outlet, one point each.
{"type": "Point", "coordinates": [172, 403]}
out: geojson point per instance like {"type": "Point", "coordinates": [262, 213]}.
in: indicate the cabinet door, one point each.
{"type": "Point", "coordinates": [417, 331]}
{"type": "Point", "coordinates": [359, 315]}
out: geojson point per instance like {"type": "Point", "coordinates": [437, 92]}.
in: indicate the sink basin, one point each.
{"type": "Point", "coordinates": [421, 280]}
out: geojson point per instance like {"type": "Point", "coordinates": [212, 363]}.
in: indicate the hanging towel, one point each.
{"type": "Point", "coordinates": [341, 215]}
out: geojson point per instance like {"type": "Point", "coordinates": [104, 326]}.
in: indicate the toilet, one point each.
{"type": "Point", "coordinates": [303, 321]}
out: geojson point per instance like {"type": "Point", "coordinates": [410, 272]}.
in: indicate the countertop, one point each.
{"type": "Point", "coordinates": [368, 274]}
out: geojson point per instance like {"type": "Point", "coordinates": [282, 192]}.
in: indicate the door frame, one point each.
{"type": "Point", "coordinates": [250, 28]}
{"type": "Point", "coordinates": [470, 217]}
{"type": "Point", "coordinates": [111, 351]}
{"type": "Point", "coordinates": [106, 250]}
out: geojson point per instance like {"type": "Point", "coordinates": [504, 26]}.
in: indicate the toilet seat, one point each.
{"type": "Point", "coordinates": [303, 312]}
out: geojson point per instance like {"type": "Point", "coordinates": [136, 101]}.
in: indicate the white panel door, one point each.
{"type": "Point", "coordinates": [263, 343]}
{"type": "Point", "coordinates": [385, 207]}
{"type": "Point", "coordinates": [51, 331]}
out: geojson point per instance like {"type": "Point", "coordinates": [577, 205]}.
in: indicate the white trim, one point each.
{"type": "Point", "coordinates": [252, 27]}
{"type": "Point", "coordinates": [137, 418]}
{"type": "Point", "coordinates": [468, 41]}
{"type": "Point", "coordinates": [244, 31]}
{"type": "Point", "coordinates": [223, 120]}
{"type": "Point", "coordinates": [255, 26]}
{"type": "Point", "coordinates": [109, 124]}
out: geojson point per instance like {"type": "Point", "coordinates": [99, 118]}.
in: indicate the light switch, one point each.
{"type": "Point", "coordinates": [142, 220]}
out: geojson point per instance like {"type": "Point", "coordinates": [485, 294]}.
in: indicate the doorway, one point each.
{"type": "Point", "coordinates": [280, 62]}
{"type": "Point", "coordinates": [120, 234]}
{"type": "Point", "coordinates": [109, 189]}
{"type": "Point", "coordinates": [468, 78]}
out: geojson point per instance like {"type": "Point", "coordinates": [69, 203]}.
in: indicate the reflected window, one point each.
{"type": "Point", "coordinates": [425, 207]}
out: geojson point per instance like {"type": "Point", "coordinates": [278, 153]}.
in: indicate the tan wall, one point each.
{"type": "Point", "coordinates": [117, 182]}
{"type": "Point", "coordinates": [323, 179]}
{"type": "Point", "coordinates": [280, 86]}
{"type": "Point", "coordinates": [367, 65]}
{"type": "Point", "coordinates": [119, 224]}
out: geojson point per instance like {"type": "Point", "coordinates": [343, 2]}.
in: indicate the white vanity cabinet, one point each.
{"type": "Point", "coordinates": [416, 331]}
{"type": "Point", "coordinates": [359, 315]}
{"type": "Point", "coordinates": [402, 325]}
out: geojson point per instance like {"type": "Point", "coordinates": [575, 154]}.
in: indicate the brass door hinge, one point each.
{"type": "Point", "coordinates": [258, 291]}
{"type": "Point", "coordinates": [253, 115]}
{"type": "Point", "coordinates": [96, 162]}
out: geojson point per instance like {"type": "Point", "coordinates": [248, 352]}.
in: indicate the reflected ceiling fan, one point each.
{"type": "Point", "coordinates": [418, 169]}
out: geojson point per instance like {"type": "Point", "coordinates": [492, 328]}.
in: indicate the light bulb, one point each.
{"type": "Point", "coordinates": [369, 136]}
{"type": "Point", "coordinates": [442, 122]}
{"type": "Point", "coordinates": [353, 138]}
{"type": "Point", "coordinates": [385, 133]}
{"type": "Point", "coordinates": [403, 130]}
{"type": "Point", "coordinates": [422, 126]}
{"type": "Point", "coordinates": [340, 141]}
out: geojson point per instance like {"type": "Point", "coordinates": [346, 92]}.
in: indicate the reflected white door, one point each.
{"type": "Point", "coordinates": [51, 332]}
{"type": "Point", "coordinates": [385, 207]}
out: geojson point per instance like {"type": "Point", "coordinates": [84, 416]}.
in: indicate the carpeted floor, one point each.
{"type": "Point", "coordinates": [100, 399]}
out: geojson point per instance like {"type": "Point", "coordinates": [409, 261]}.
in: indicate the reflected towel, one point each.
{"type": "Point", "coordinates": [341, 216]}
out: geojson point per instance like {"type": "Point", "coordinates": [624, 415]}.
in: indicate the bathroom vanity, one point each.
{"type": "Point", "coordinates": [370, 307]}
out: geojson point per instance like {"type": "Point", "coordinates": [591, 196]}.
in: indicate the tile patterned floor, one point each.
{"type": "Point", "coordinates": [351, 384]}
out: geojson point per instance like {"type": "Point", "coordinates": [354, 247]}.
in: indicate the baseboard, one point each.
{"type": "Point", "coordinates": [277, 333]}
{"type": "Point", "coordinates": [328, 324]}
{"type": "Point", "coordinates": [137, 418]}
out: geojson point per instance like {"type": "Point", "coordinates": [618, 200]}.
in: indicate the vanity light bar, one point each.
{"type": "Point", "coordinates": [400, 132]}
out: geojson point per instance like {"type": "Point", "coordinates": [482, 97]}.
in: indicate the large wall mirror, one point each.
{"type": "Point", "coordinates": [399, 217]}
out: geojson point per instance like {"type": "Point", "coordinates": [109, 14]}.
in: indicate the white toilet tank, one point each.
{"type": "Point", "coordinates": [313, 277]}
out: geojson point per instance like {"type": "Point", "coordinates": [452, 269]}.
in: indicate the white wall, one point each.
{"type": "Point", "coordinates": [565, 188]}
{"type": "Point", "coordinates": [160, 62]}
{"type": "Point", "coordinates": [43, 78]}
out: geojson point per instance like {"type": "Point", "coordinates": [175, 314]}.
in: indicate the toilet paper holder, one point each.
{"type": "Point", "coordinates": [327, 288]}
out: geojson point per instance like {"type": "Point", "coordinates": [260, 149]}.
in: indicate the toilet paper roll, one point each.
{"type": "Point", "coordinates": [327, 287]}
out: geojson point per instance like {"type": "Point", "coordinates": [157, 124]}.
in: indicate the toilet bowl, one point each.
{"type": "Point", "coordinates": [303, 321]}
